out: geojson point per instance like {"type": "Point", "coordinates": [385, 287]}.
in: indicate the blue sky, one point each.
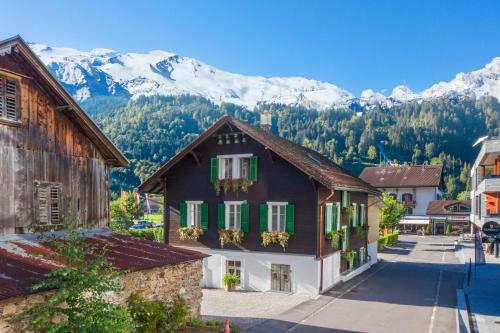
{"type": "Point", "coordinates": [353, 44]}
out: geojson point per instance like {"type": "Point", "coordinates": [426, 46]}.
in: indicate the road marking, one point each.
{"type": "Point", "coordinates": [436, 299]}
{"type": "Point", "coordinates": [294, 327]}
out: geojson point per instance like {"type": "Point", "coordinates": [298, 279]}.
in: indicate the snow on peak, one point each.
{"type": "Point", "coordinates": [103, 72]}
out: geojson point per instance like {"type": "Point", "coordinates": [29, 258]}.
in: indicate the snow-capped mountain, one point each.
{"type": "Point", "coordinates": [103, 72]}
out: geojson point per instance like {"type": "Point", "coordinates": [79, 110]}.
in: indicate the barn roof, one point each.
{"type": "Point", "coordinates": [24, 260]}
{"type": "Point", "coordinates": [403, 176]}
{"type": "Point", "coordinates": [66, 103]}
{"type": "Point", "coordinates": [312, 163]}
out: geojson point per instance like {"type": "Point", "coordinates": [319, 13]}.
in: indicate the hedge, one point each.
{"type": "Point", "coordinates": [388, 239]}
{"type": "Point", "coordinates": [153, 234]}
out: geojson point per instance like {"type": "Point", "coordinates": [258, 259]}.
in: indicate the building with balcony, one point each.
{"type": "Point", "coordinates": [485, 173]}
{"type": "Point", "coordinates": [415, 185]}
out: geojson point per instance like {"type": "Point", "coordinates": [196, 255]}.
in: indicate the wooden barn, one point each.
{"type": "Point", "coordinates": [53, 157]}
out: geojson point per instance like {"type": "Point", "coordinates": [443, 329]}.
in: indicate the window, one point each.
{"type": "Point", "coordinates": [233, 215]}
{"type": "Point", "coordinates": [362, 214]}
{"type": "Point", "coordinates": [226, 168]}
{"type": "Point", "coordinates": [277, 216]}
{"type": "Point", "coordinates": [9, 99]}
{"type": "Point", "coordinates": [234, 167]}
{"type": "Point", "coordinates": [332, 217]}
{"type": "Point", "coordinates": [233, 267]}
{"type": "Point", "coordinates": [362, 255]}
{"type": "Point", "coordinates": [355, 214]}
{"type": "Point", "coordinates": [47, 203]}
{"type": "Point", "coordinates": [407, 197]}
{"type": "Point", "coordinates": [194, 213]}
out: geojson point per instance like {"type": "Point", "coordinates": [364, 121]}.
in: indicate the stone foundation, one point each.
{"type": "Point", "coordinates": [161, 283]}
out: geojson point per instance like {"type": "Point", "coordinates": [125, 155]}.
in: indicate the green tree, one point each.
{"type": "Point", "coordinates": [123, 211]}
{"type": "Point", "coordinates": [430, 150]}
{"type": "Point", "coordinates": [79, 304]}
{"type": "Point", "coordinates": [417, 155]}
{"type": "Point", "coordinates": [392, 213]}
{"type": "Point", "coordinates": [450, 187]}
{"type": "Point", "coordinates": [464, 195]}
{"type": "Point", "coordinates": [372, 153]}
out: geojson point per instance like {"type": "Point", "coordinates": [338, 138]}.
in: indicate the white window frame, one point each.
{"type": "Point", "coordinates": [235, 172]}
{"type": "Point", "coordinates": [329, 217]}
{"type": "Point", "coordinates": [280, 205]}
{"type": "Point", "coordinates": [362, 213]}
{"type": "Point", "coordinates": [354, 214]}
{"type": "Point", "coordinates": [345, 240]}
{"type": "Point", "coordinates": [227, 205]}
{"type": "Point", "coordinates": [339, 206]}
{"type": "Point", "coordinates": [192, 214]}
{"type": "Point", "coordinates": [362, 255]}
{"type": "Point", "coordinates": [240, 269]}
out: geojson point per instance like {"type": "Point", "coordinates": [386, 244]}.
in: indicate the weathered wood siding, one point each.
{"type": "Point", "coordinates": [47, 146]}
{"type": "Point", "coordinates": [277, 181]}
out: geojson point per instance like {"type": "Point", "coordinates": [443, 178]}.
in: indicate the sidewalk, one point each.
{"type": "Point", "coordinates": [483, 293]}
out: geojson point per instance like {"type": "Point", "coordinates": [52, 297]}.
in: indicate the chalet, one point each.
{"type": "Point", "coordinates": [414, 185]}
{"type": "Point", "coordinates": [449, 215]}
{"type": "Point", "coordinates": [54, 162]}
{"type": "Point", "coordinates": [273, 212]}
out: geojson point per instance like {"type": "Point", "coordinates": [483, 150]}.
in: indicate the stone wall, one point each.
{"type": "Point", "coordinates": [157, 283]}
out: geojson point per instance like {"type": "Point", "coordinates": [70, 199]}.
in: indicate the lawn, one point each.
{"type": "Point", "coordinates": [155, 218]}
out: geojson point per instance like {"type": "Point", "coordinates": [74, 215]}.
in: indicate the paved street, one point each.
{"type": "Point", "coordinates": [411, 290]}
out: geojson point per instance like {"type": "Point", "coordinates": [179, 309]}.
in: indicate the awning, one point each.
{"type": "Point", "coordinates": [421, 221]}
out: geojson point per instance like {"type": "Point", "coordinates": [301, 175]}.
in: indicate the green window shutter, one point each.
{"type": "Point", "coordinates": [253, 168]}
{"type": "Point", "coordinates": [325, 219]}
{"type": "Point", "coordinates": [221, 216]}
{"type": "Point", "coordinates": [290, 219]}
{"type": "Point", "coordinates": [334, 217]}
{"type": "Point", "coordinates": [183, 213]}
{"type": "Point", "coordinates": [263, 217]}
{"type": "Point", "coordinates": [348, 197]}
{"type": "Point", "coordinates": [345, 241]}
{"type": "Point", "coordinates": [204, 216]}
{"type": "Point", "coordinates": [214, 169]}
{"type": "Point", "coordinates": [244, 217]}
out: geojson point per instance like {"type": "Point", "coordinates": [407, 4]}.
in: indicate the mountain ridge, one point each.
{"type": "Point", "coordinates": [105, 72]}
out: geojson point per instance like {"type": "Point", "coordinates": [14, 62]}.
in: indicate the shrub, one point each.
{"type": "Point", "coordinates": [152, 234]}
{"type": "Point", "coordinates": [448, 229]}
{"type": "Point", "coordinates": [231, 280]}
{"type": "Point", "coordinates": [79, 303]}
{"type": "Point", "coordinates": [156, 316]}
{"type": "Point", "coordinates": [388, 239]}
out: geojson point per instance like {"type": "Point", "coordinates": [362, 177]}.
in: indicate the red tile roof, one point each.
{"type": "Point", "coordinates": [403, 176]}
{"type": "Point", "coordinates": [440, 207]}
{"type": "Point", "coordinates": [23, 263]}
{"type": "Point", "coordinates": [307, 160]}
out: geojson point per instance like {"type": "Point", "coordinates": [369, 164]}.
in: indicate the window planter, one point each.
{"type": "Point", "coordinates": [334, 237]}
{"type": "Point", "coordinates": [230, 281]}
{"type": "Point", "coordinates": [361, 230]}
{"type": "Point", "coordinates": [273, 237]}
{"type": "Point", "coordinates": [230, 237]}
{"type": "Point", "coordinates": [231, 184]}
{"type": "Point", "coordinates": [190, 233]}
{"type": "Point", "coordinates": [350, 257]}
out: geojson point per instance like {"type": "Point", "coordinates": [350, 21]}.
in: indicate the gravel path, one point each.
{"type": "Point", "coordinates": [247, 309]}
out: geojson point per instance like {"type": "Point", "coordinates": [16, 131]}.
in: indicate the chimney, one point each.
{"type": "Point", "coordinates": [266, 121]}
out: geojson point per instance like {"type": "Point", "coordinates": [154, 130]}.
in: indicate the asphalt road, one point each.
{"type": "Point", "coordinates": [411, 290]}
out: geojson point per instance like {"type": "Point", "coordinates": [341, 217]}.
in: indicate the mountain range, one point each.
{"type": "Point", "coordinates": [104, 72]}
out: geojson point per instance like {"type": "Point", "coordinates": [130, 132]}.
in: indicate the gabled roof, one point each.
{"type": "Point", "coordinates": [403, 176]}
{"type": "Point", "coordinates": [24, 260]}
{"type": "Point", "coordinates": [313, 164]}
{"type": "Point", "coordinates": [440, 207]}
{"type": "Point", "coordinates": [67, 104]}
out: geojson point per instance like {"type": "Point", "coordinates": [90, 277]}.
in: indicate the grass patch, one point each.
{"type": "Point", "coordinates": [155, 218]}
{"type": "Point", "coordinates": [209, 326]}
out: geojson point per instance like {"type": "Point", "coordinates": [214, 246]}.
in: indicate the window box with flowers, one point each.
{"type": "Point", "coordinates": [232, 221]}
{"type": "Point", "coordinates": [277, 223]}
{"type": "Point", "coordinates": [233, 172]}
{"type": "Point", "coordinates": [332, 228]}
{"type": "Point", "coordinates": [193, 220]}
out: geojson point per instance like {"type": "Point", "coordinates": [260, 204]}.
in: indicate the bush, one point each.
{"type": "Point", "coordinates": [158, 316]}
{"type": "Point", "coordinates": [214, 325]}
{"type": "Point", "coordinates": [388, 239]}
{"type": "Point", "coordinates": [152, 234]}
{"type": "Point", "coordinates": [231, 280]}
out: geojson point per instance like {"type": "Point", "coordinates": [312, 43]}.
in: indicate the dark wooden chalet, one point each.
{"type": "Point", "coordinates": [299, 185]}
{"type": "Point", "coordinates": [53, 157]}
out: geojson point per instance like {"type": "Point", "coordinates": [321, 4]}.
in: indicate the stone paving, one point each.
{"type": "Point", "coordinates": [247, 309]}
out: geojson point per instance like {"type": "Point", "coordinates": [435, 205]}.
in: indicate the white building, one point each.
{"type": "Point", "coordinates": [414, 185]}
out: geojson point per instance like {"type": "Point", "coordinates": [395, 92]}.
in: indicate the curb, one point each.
{"type": "Point", "coordinates": [462, 316]}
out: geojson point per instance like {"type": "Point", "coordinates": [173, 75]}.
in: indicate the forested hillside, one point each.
{"type": "Point", "coordinates": [151, 130]}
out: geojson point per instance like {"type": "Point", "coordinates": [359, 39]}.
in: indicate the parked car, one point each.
{"type": "Point", "coordinates": [142, 225]}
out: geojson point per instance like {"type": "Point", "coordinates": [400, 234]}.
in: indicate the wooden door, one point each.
{"type": "Point", "coordinates": [280, 278]}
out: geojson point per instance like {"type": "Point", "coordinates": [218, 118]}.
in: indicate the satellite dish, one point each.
{"type": "Point", "coordinates": [480, 140]}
